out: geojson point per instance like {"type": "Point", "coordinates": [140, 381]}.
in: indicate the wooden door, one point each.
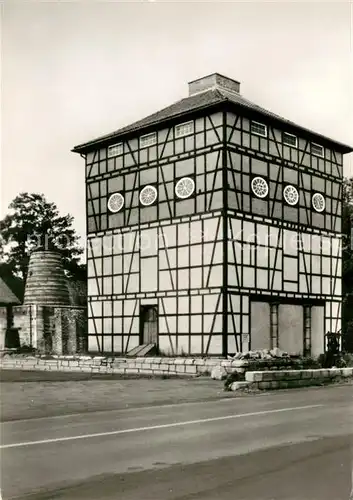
{"type": "Point", "coordinates": [291, 328]}
{"type": "Point", "coordinates": [149, 325]}
{"type": "Point", "coordinates": [260, 325]}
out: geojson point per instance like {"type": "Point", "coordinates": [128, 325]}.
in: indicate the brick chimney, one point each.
{"type": "Point", "coordinates": [213, 81]}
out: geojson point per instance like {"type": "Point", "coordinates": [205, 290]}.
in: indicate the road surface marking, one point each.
{"type": "Point", "coordinates": [154, 427]}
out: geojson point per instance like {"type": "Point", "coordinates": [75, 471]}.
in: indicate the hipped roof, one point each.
{"type": "Point", "coordinates": [203, 101]}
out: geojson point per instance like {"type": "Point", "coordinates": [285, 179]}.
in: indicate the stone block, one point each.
{"type": "Point", "coordinates": [132, 370]}
{"type": "Point", "coordinates": [238, 386]}
{"type": "Point", "coordinates": [118, 371]}
{"type": "Point", "coordinates": [253, 376]}
{"type": "Point", "coordinates": [347, 372]}
{"type": "Point", "coordinates": [118, 362]}
{"type": "Point", "coordinates": [305, 382]}
{"type": "Point", "coordinates": [283, 384]}
{"type": "Point", "coordinates": [164, 367]}
{"type": "Point", "coordinates": [189, 361]}
{"type": "Point", "coordinates": [87, 362]}
{"type": "Point", "coordinates": [240, 363]}
{"type": "Point", "coordinates": [211, 362]}
{"type": "Point", "coordinates": [268, 376]}
{"type": "Point", "coordinates": [85, 369]}
{"type": "Point", "coordinates": [180, 361]}
{"type": "Point", "coordinates": [275, 384]}
{"type": "Point", "coordinates": [190, 369]}
{"type": "Point", "coordinates": [203, 370]}
{"type": "Point", "coordinates": [218, 373]}
{"type": "Point", "coordinates": [199, 362]}
{"type": "Point", "coordinates": [293, 374]}
{"type": "Point", "coordinates": [294, 383]}
{"type": "Point", "coordinates": [306, 374]}
{"type": "Point", "coordinates": [146, 371]}
{"type": "Point", "coordinates": [264, 385]}
{"type": "Point", "coordinates": [180, 368]}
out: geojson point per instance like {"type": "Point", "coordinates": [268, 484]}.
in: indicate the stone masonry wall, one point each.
{"type": "Point", "coordinates": [190, 367]}
{"type": "Point", "coordinates": [285, 379]}
{"type": "Point", "coordinates": [123, 366]}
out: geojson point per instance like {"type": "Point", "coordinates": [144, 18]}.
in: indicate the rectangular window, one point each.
{"type": "Point", "coordinates": [184, 129]}
{"type": "Point", "coordinates": [258, 129]}
{"type": "Point", "coordinates": [148, 140]}
{"type": "Point", "coordinates": [115, 149]}
{"type": "Point", "coordinates": [289, 139]}
{"type": "Point", "coordinates": [317, 150]}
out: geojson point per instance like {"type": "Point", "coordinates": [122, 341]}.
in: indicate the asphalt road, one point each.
{"type": "Point", "coordinates": [288, 445]}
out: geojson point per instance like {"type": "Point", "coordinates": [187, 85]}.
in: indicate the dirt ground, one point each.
{"type": "Point", "coordinates": [29, 394]}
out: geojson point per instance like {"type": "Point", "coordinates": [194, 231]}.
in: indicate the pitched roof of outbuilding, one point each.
{"type": "Point", "coordinates": [7, 297]}
{"type": "Point", "coordinates": [11, 287]}
{"type": "Point", "coordinates": [197, 102]}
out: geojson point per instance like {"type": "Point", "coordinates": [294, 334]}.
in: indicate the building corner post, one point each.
{"type": "Point", "coordinates": [225, 237]}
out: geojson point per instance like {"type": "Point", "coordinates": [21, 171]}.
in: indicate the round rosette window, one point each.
{"type": "Point", "coordinates": [259, 187]}
{"type": "Point", "coordinates": [184, 187]}
{"type": "Point", "coordinates": [291, 195]}
{"type": "Point", "coordinates": [116, 202]}
{"type": "Point", "coordinates": [148, 195]}
{"type": "Point", "coordinates": [318, 202]}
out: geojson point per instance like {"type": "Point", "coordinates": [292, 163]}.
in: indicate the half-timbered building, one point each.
{"type": "Point", "coordinates": [214, 226]}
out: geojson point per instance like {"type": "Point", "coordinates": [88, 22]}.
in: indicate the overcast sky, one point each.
{"type": "Point", "coordinates": [76, 70]}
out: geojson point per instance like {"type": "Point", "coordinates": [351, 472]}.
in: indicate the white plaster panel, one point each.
{"type": "Point", "coordinates": [196, 324]}
{"type": "Point", "coordinates": [215, 346]}
{"type": "Point", "coordinates": [183, 344]}
{"type": "Point", "coordinates": [148, 242]}
{"type": "Point", "coordinates": [93, 345]}
{"type": "Point", "coordinates": [149, 274]}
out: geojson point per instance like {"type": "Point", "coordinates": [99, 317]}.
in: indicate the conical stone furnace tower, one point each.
{"type": "Point", "coordinates": [46, 281]}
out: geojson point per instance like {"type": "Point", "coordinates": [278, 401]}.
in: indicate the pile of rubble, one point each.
{"type": "Point", "coordinates": [261, 354]}
{"type": "Point", "coordinates": [242, 361]}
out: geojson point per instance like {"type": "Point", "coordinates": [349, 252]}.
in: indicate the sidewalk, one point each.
{"type": "Point", "coordinates": [39, 394]}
